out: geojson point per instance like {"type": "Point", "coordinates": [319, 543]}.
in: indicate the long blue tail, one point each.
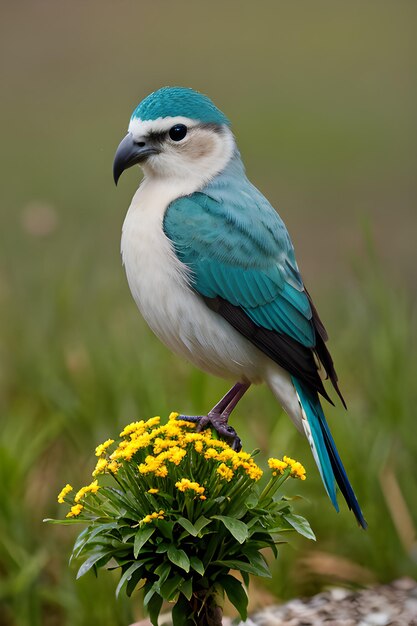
{"type": "Point", "coordinates": [325, 452]}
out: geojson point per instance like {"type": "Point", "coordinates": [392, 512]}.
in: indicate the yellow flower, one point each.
{"type": "Point", "coordinates": [172, 430]}
{"type": "Point", "coordinates": [252, 470]}
{"type": "Point", "coordinates": [297, 470]}
{"type": "Point", "coordinates": [63, 493]}
{"type": "Point", "coordinates": [129, 448]}
{"type": "Point", "coordinates": [103, 447]}
{"type": "Point", "coordinates": [163, 444]}
{"type": "Point", "coordinates": [198, 446]}
{"type": "Point", "coordinates": [277, 466]}
{"type": "Point", "coordinates": [211, 453]}
{"type": "Point", "coordinates": [151, 464]}
{"type": "Point", "coordinates": [134, 427]}
{"type": "Point", "coordinates": [113, 467]}
{"type": "Point", "coordinates": [185, 484]}
{"type": "Point", "coordinates": [118, 453]}
{"type": "Point", "coordinates": [75, 510]}
{"type": "Point", "coordinates": [216, 443]}
{"type": "Point", "coordinates": [91, 488]}
{"type": "Point", "coordinates": [153, 421]}
{"type": "Point", "coordinates": [162, 472]}
{"type": "Point", "coordinates": [153, 490]}
{"type": "Point", "coordinates": [148, 518]}
{"type": "Point", "coordinates": [174, 455]}
{"type": "Point", "coordinates": [228, 455]}
{"type": "Point", "coordinates": [101, 466]}
{"type": "Point", "coordinates": [225, 472]}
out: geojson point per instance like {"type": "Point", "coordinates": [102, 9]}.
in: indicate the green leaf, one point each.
{"type": "Point", "coordinates": [255, 558]}
{"type": "Point", "coordinates": [166, 528]}
{"type": "Point", "coordinates": [235, 593]}
{"type": "Point", "coordinates": [170, 587]}
{"type": "Point", "coordinates": [188, 526]}
{"type": "Point", "coordinates": [252, 500]}
{"type": "Point", "coordinates": [150, 589]}
{"type": "Point", "coordinates": [153, 607]}
{"type": "Point", "coordinates": [92, 560]}
{"type": "Point", "coordinates": [163, 570]}
{"type": "Point", "coordinates": [197, 565]}
{"type": "Point", "coordinates": [162, 548]}
{"type": "Point", "coordinates": [65, 522]}
{"type": "Point", "coordinates": [238, 529]}
{"type": "Point", "coordinates": [187, 588]}
{"type": "Point", "coordinates": [82, 538]}
{"type": "Point", "coordinates": [132, 584]}
{"type": "Point", "coordinates": [201, 523]}
{"type": "Point", "coordinates": [181, 612]}
{"type": "Point", "coordinates": [245, 567]}
{"type": "Point", "coordinates": [120, 501]}
{"type": "Point", "coordinates": [127, 575]}
{"type": "Point", "coordinates": [301, 525]}
{"type": "Point", "coordinates": [141, 538]}
{"type": "Point", "coordinates": [179, 558]}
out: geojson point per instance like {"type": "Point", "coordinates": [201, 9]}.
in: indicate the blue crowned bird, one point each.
{"type": "Point", "coordinates": [212, 269]}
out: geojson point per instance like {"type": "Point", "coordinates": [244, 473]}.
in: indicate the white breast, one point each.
{"type": "Point", "coordinates": [159, 284]}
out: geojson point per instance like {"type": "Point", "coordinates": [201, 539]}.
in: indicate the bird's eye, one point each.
{"type": "Point", "coordinates": [178, 132]}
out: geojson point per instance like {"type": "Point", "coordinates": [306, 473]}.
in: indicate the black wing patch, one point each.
{"type": "Point", "coordinates": [297, 359]}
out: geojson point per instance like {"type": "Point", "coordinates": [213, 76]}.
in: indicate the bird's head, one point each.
{"type": "Point", "coordinates": [176, 132]}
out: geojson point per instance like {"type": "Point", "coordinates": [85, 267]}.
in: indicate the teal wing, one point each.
{"type": "Point", "coordinates": [246, 258]}
{"type": "Point", "coordinates": [242, 262]}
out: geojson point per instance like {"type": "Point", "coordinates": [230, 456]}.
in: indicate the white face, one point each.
{"type": "Point", "coordinates": [186, 148]}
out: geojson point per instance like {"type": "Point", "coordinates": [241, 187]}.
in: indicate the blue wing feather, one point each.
{"type": "Point", "coordinates": [328, 459]}
{"type": "Point", "coordinates": [238, 248]}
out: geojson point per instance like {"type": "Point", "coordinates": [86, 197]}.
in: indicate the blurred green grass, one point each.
{"type": "Point", "coordinates": [323, 99]}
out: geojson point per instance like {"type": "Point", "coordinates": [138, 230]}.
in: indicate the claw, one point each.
{"type": "Point", "coordinates": [190, 418]}
{"type": "Point", "coordinates": [220, 425]}
{"type": "Point", "coordinates": [218, 416]}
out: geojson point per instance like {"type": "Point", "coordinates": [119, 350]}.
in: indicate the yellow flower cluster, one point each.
{"type": "Point", "coordinates": [218, 450]}
{"type": "Point", "coordinates": [75, 510]}
{"type": "Point", "coordinates": [153, 465]}
{"type": "Point", "coordinates": [185, 484]}
{"type": "Point", "coordinates": [162, 446]}
{"type": "Point", "coordinates": [103, 465]}
{"type": "Point", "coordinates": [225, 472]}
{"type": "Point", "coordinates": [148, 518]}
{"type": "Point", "coordinates": [91, 488]}
{"type": "Point", "coordinates": [101, 449]}
{"type": "Point", "coordinates": [65, 491]}
{"type": "Point", "coordinates": [168, 444]}
{"type": "Point", "coordinates": [280, 466]}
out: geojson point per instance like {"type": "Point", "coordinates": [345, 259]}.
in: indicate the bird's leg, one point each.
{"type": "Point", "coordinates": [218, 417]}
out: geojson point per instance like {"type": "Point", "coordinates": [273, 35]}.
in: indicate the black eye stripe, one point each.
{"type": "Point", "coordinates": [178, 132]}
{"type": "Point", "coordinates": [156, 137]}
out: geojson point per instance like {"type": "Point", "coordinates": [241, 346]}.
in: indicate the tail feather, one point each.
{"type": "Point", "coordinates": [324, 450]}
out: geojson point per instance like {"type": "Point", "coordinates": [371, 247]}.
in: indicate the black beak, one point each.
{"type": "Point", "coordinates": [130, 153]}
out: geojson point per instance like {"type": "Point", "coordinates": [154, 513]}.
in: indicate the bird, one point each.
{"type": "Point", "coordinates": [212, 269]}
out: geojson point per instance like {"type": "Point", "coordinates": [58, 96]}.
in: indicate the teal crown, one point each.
{"type": "Point", "coordinates": [175, 101]}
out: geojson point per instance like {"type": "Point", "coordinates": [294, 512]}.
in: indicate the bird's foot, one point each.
{"type": "Point", "coordinates": [220, 424]}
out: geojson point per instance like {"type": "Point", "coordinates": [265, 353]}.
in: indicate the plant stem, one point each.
{"type": "Point", "coordinates": [206, 609]}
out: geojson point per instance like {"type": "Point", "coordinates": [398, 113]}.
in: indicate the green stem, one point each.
{"type": "Point", "coordinates": [273, 485]}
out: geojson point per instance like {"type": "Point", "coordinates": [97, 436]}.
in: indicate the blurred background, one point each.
{"type": "Point", "coordinates": [323, 102]}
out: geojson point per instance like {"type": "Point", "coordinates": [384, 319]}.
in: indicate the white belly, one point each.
{"type": "Point", "coordinates": [175, 313]}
